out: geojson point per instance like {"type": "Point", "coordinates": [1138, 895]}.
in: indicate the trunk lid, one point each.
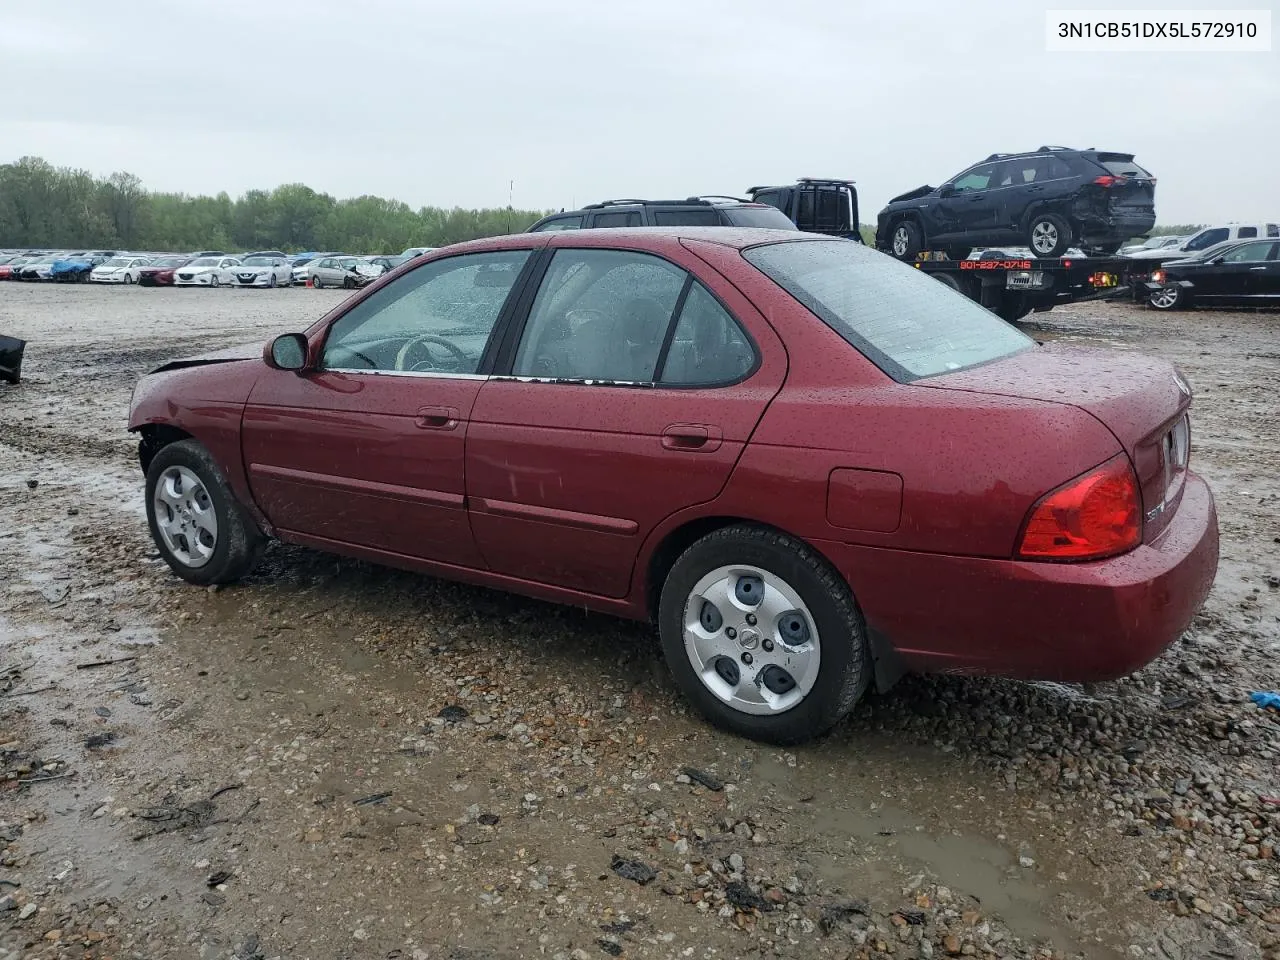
{"type": "Point", "coordinates": [1142, 400]}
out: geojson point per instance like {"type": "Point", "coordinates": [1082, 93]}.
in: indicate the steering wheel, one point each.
{"type": "Point", "coordinates": [421, 341]}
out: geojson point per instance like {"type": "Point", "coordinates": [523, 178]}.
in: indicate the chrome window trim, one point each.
{"type": "Point", "coordinates": [404, 373]}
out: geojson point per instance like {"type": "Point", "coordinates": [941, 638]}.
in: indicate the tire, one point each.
{"type": "Point", "coordinates": [1013, 307]}
{"type": "Point", "coordinates": [1104, 250]}
{"type": "Point", "coordinates": [315, 282]}
{"type": "Point", "coordinates": [128, 280]}
{"type": "Point", "coordinates": [1168, 298]}
{"type": "Point", "coordinates": [215, 281]}
{"type": "Point", "coordinates": [833, 675]}
{"type": "Point", "coordinates": [348, 283]}
{"type": "Point", "coordinates": [905, 241]}
{"type": "Point", "coordinates": [1048, 236]}
{"type": "Point", "coordinates": [237, 541]}
{"type": "Point", "coordinates": [271, 284]}
{"type": "Point", "coordinates": [958, 253]}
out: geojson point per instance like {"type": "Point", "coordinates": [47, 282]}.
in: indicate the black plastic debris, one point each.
{"type": "Point", "coordinates": [1162, 894]}
{"type": "Point", "coordinates": [371, 799]}
{"type": "Point", "coordinates": [213, 898]}
{"type": "Point", "coordinates": [641, 873]}
{"type": "Point", "coordinates": [214, 879]}
{"type": "Point", "coordinates": [611, 947]}
{"type": "Point", "coordinates": [712, 783]}
{"type": "Point", "coordinates": [618, 927]}
{"type": "Point", "coordinates": [100, 740]}
{"type": "Point", "coordinates": [453, 713]}
{"type": "Point", "coordinates": [914, 918]}
{"type": "Point", "coordinates": [834, 914]}
{"type": "Point", "coordinates": [488, 819]}
{"type": "Point", "coordinates": [102, 711]}
{"type": "Point", "coordinates": [742, 897]}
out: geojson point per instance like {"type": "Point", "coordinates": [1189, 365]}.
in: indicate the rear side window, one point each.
{"type": "Point", "coordinates": [902, 320]}
{"type": "Point", "coordinates": [1247, 233]}
{"type": "Point", "coordinates": [630, 218]}
{"type": "Point", "coordinates": [704, 217]}
{"type": "Point", "coordinates": [1249, 253]}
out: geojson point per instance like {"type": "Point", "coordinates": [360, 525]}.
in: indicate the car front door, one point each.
{"type": "Point", "coordinates": [633, 389]}
{"type": "Point", "coordinates": [1231, 278]}
{"type": "Point", "coordinates": [1265, 282]}
{"type": "Point", "coordinates": [960, 213]}
{"type": "Point", "coordinates": [364, 448]}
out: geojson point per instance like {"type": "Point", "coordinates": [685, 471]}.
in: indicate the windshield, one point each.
{"type": "Point", "coordinates": [168, 262]}
{"type": "Point", "coordinates": [905, 322]}
{"type": "Point", "coordinates": [770, 217]}
{"type": "Point", "coordinates": [257, 262]}
{"type": "Point", "coordinates": [204, 262]}
{"type": "Point", "coordinates": [116, 262]}
{"type": "Point", "coordinates": [347, 262]}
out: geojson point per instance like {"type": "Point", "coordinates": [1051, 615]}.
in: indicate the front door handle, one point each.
{"type": "Point", "coordinates": [1251, 269]}
{"type": "Point", "coordinates": [692, 437]}
{"type": "Point", "coordinates": [436, 418]}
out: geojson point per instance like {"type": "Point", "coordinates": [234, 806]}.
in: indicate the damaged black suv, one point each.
{"type": "Point", "coordinates": [1049, 200]}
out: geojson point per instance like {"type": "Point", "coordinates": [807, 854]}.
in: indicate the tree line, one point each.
{"type": "Point", "coordinates": [43, 206]}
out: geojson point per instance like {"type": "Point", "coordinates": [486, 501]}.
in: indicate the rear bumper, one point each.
{"type": "Point", "coordinates": [1071, 622]}
{"type": "Point", "coordinates": [1113, 228]}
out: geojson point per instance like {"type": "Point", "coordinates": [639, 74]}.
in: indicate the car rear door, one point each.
{"type": "Point", "coordinates": [364, 448]}
{"type": "Point", "coordinates": [632, 390]}
{"type": "Point", "coordinates": [1264, 276]}
{"type": "Point", "coordinates": [1232, 278]}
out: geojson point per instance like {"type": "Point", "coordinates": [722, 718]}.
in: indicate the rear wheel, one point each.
{"type": "Point", "coordinates": [905, 241]}
{"type": "Point", "coordinates": [763, 635]}
{"type": "Point", "coordinates": [315, 282]}
{"type": "Point", "coordinates": [1013, 307]}
{"type": "Point", "coordinates": [1103, 250]}
{"type": "Point", "coordinates": [958, 253]}
{"type": "Point", "coordinates": [1168, 298]}
{"type": "Point", "coordinates": [202, 531]}
{"type": "Point", "coordinates": [1048, 235]}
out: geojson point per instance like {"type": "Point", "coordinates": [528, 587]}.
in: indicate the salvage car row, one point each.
{"type": "Point", "coordinates": [206, 268]}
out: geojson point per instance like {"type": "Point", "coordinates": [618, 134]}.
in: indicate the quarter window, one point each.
{"type": "Point", "coordinates": [600, 315]}
{"type": "Point", "coordinates": [708, 346]}
{"type": "Point", "coordinates": [435, 319]}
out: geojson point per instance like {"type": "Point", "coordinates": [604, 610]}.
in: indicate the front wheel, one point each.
{"type": "Point", "coordinates": [271, 283]}
{"type": "Point", "coordinates": [128, 280]}
{"type": "Point", "coordinates": [215, 281]}
{"type": "Point", "coordinates": [202, 531]}
{"type": "Point", "coordinates": [1049, 236]}
{"type": "Point", "coordinates": [905, 241]}
{"type": "Point", "coordinates": [1168, 298]}
{"type": "Point", "coordinates": [763, 635]}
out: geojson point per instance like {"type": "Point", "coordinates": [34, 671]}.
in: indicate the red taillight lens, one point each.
{"type": "Point", "coordinates": [1095, 515]}
{"type": "Point", "coordinates": [1107, 180]}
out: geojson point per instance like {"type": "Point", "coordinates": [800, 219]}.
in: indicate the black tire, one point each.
{"type": "Point", "coordinates": [958, 253]}
{"type": "Point", "coordinates": [845, 669]}
{"type": "Point", "coordinates": [348, 283]}
{"type": "Point", "coordinates": [955, 283]}
{"type": "Point", "coordinates": [271, 284]}
{"type": "Point", "coordinates": [905, 241]}
{"type": "Point", "coordinates": [239, 542]}
{"type": "Point", "coordinates": [315, 282]}
{"type": "Point", "coordinates": [1013, 307]}
{"type": "Point", "coordinates": [1046, 226]}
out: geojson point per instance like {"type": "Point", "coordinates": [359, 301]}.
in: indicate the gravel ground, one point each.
{"type": "Point", "coordinates": [335, 760]}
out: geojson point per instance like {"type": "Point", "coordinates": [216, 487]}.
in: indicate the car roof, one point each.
{"type": "Point", "coordinates": [636, 237]}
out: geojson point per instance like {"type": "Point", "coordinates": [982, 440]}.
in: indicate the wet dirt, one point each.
{"type": "Point", "coordinates": [386, 765]}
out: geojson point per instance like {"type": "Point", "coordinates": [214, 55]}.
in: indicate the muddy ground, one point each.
{"type": "Point", "coordinates": [336, 760]}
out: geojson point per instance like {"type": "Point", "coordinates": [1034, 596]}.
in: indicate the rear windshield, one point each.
{"type": "Point", "coordinates": [763, 216]}
{"type": "Point", "coordinates": [1118, 165]}
{"type": "Point", "coordinates": [904, 321]}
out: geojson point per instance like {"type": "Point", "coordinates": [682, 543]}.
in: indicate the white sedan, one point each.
{"type": "Point", "coordinates": [259, 271]}
{"type": "Point", "coordinates": [119, 270]}
{"type": "Point", "coordinates": [204, 272]}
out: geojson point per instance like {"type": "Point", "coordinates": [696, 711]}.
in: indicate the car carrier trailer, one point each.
{"type": "Point", "coordinates": [1009, 286]}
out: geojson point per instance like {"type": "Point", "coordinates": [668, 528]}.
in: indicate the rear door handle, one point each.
{"type": "Point", "coordinates": [1257, 268]}
{"type": "Point", "coordinates": [692, 437]}
{"type": "Point", "coordinates": [436, 418]}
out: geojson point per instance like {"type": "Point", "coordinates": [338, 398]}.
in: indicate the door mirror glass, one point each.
{"type": "Point", "coordinates": [288, 352]}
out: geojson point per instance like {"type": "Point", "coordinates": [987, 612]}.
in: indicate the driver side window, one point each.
{"type": "Point", "coordinates": [979, 178]}
{"type": "Point", "coordinates": [435, 319]}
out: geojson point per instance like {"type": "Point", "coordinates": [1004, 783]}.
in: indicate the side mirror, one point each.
{"type": "Point", "coordinates": [947, 190]}
{"type": "Point", "coordinates": [287, 352]}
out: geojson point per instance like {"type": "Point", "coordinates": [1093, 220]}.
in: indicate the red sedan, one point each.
{"type": "Point", "coordinates": [159, 272]}
{"type": "Point", "coordinates": [813, 466]}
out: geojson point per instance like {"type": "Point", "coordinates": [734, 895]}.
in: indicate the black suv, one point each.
{"type": "Point", "coordinates": [1049, 200]}
{"type": "Point", "coordinates": [693, 212]}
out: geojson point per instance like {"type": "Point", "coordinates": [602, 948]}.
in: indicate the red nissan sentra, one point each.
{"type": "Point", "coordinates": [813, 466]}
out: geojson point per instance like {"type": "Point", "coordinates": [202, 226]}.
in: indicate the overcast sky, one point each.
{"type": "Point", "coordinates": [444, 101]}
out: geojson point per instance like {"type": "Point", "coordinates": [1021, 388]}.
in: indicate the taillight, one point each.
{"type": "Point", "coordinates": [1095, 515]}
{"type": "Point", "coordinates": [1157, 276]}
{"type": "Point", "coordinates": [1107, 180]}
